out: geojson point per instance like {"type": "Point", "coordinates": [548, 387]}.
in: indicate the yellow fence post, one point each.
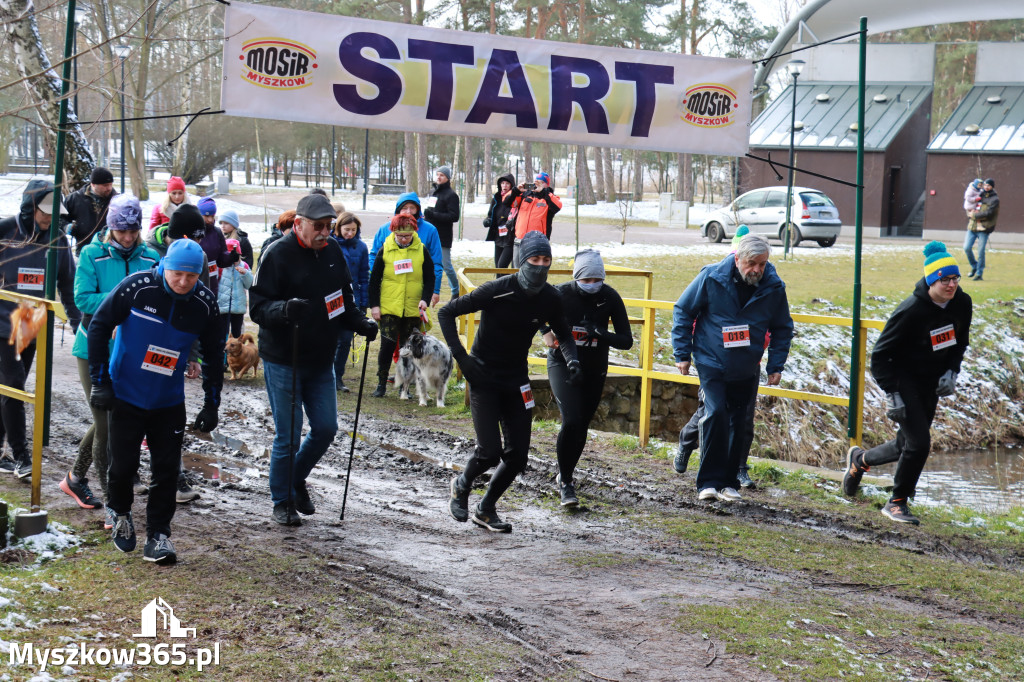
{"type": "Point", "coordinates": [646, 381]}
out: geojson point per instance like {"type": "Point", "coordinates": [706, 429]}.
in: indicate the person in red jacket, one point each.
{"type": "Point", "coordinates": [176, 196]}
{"type": "Point", "coordinates": [534, 205]}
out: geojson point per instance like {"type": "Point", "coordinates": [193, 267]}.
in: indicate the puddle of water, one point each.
{"type": "Point", "coordinates": [986, 480]}
{"type": "Point", "coordinates": [217, 469]}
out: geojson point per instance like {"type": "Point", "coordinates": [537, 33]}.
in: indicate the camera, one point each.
{"type": "Point", "coordinates": [530, 186]}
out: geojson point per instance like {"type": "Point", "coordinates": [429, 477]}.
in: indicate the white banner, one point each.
{"type": "Point", "coordinates": [290, 65]}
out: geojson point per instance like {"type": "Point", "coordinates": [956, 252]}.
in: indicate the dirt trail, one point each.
{"type": "Point", "coordinates": [591, 595]}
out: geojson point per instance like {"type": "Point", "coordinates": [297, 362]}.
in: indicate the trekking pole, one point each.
{"type": "Point", "coordinates": [291, 425]}
{"type": "Point", "coordinates": [355, 425]}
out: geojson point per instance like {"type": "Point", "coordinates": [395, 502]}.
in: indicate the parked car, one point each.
{"type": "Point", "coordinates": [814, 216]}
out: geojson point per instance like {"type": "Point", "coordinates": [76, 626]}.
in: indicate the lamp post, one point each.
{"type": "Point", "coordinates": [122, 52]}
{"type": "Point", "coordinates": [81, 12]}
{"type": "Point", "coordinates": [794, 67]}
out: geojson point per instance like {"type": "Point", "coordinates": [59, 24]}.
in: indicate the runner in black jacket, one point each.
{"type": "Point", "coordinates": [495, 222]}
{"type": "Point", "coordinates": [589, 306]}
{"type": "Point", "coordinates": [916, 361]}
{"type": "Point", "coordinates": [513, 308]}
{"type": "Point", "coordinates": [443, 215]}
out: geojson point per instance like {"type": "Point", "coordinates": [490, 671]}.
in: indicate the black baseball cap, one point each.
{"type": "Point", "coordinates": [315, 207]}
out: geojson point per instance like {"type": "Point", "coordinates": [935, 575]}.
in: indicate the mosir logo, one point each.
{"type": "Point", "coordinates": [708, 105]}
{"type": "Point", "coordinates": [277, 63]}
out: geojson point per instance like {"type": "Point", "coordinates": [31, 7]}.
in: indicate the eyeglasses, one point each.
{"type": "Point", "coordinates": [952, 279]}
{"type": "Point", "coordinates": [319, 226]}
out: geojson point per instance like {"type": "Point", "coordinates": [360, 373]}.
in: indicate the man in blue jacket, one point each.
{"type": "Point", "coordinates": [23, 247]}
{"type": "Point", "coordinates": [158, 313]}
{"type": "Point", "coordinates": [735, 303]}
{"type": "Point", "coordinates": [409, 203]}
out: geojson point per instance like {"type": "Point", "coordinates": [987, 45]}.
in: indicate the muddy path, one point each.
{"type": "Point", "coordinates": [594, 595]}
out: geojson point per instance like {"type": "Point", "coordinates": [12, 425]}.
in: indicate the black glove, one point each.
{"type": "Point", "coordinates": [102, 396]}
{"type": "Point", "coordinates": [472, 369]}
{"type": "Point", "coordinates": [947, 384]}
{"type": "Point", "coordinates": [296, 309]}
{"type": "Point", "coordinates": [592, 331]}
{"type": "Point", "coordinates": [487, 222]}
{"type": "Point", "coordinates": [575, 373]}
{"type": "Point", "coordinates": [235, 256]}
{"type": "Point", "coordinates": [206, 420]}
{"type": "Point", "coordinates": [897, 409]}
{"type": "Point", "coordinates": [369, 329]}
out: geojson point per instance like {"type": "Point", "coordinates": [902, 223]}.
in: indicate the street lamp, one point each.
{"type": "Point", "coordinates": [794, 67]}
{"type": "Point", "coordinates": [81, 13]}
{"type": "Point", "coordinates": [122, 52]}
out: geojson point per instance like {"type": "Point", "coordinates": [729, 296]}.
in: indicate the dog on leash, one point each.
{"type": "Point", "coordinates": [242, 355]}
{"type": "Point", "coordinates": [429, 362]}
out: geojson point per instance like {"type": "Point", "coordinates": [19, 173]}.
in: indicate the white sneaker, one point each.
{"type": "Point", "coordinates": [708, 494]}
{"type": "Point", "coordinates": [729, 495]}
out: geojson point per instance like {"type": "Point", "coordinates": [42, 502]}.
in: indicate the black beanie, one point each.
{"type": "Point", "coordinates": [992, 182]}
{"type": "Point", "coordinates": [101, 176]}
{"type": "Point", "coordinates": [533, 244]}
{"type": "Point", "coordinates": [185, 221]}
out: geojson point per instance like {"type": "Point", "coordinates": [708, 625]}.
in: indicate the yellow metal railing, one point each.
{"type": "Point", "coordinates": [36, 399]}
{"type": "Point", "coordinates": [647, 372]}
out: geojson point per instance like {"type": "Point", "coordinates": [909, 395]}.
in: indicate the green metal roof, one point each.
{"type": "Point", "coordinates": [996, 110]}
{"type": "Point", "coordinates": [827, 110]}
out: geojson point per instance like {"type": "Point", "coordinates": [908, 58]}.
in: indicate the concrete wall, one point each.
{"type": "Point", "coordinates": [672, 405]}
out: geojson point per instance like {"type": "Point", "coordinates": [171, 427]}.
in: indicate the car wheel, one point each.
{"type": "Point", "coordinates": [715, 233]}
{"type": "Point", "coordinates": [794, 236]}
{"type": "Point", "coordinates": [825, 243]}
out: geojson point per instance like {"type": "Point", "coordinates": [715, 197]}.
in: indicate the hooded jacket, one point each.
{"type": "Point", "coordinates": [23, 258]}
{"type": "Point", "coordinates": [444, 214]}
{"type": "Point", "coordinates": [497, 213]}
{"type": "Point", "coordinates": [426, 232]}
{"type": "Point", "coordinates": [988, 212]}
{"type": "Point", "coordinates": [89, 213]}
{"type": "Point", "coordinates": [712, 300]}
{"type": "Point", "coordinates": [100, 269]}
{"type": "Point", "coordinates": [357, 256]}
{"type": "Point", "coordinates": [915, 341]}
{"type": "Point", "coordinates": [233, 285]}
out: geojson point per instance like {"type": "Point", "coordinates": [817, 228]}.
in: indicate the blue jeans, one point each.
{"type": "Point", "coordinates": [449, 269]}
{"type": "Point", "coordinates": [341, 356]}
{"type": "Point", "coordinates": [315, 393]}
{"type": "Point", "coordinates": [982, 238]}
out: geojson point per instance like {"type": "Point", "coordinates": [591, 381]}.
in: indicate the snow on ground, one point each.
{"type": "Point", "coordinates": [47, 545]}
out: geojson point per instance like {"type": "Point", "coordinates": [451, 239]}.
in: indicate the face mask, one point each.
{"type": "Point", "coordinates": [532, 277]}
{"type": "Point", "coordinates": [589, 287]}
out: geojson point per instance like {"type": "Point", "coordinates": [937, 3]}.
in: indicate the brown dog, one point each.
{"type": "Point", "coordinates": [242, 355]}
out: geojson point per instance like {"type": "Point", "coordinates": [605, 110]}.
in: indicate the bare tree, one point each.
{"type": "Point", "coordinates": [43, 86]}
{"type": "Point", "coordinates": [586, 187]}
{"type": "Point", "coordinates": [422, 166]}
{"type": "Point", "coordinates": [609, 175]}
{"type": "Point", "coordinates": [601, 192]}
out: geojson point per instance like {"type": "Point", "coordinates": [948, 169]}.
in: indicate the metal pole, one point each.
{"type": "Point", "coordinates": [74, 50]}
{"type": "Point", "coordinates": [333, 154]}
{"type": "Point", "coordinates": [122, 125]}
{"type": "Point", "coordinates": [366, 167]}
{"type": "Point", "coordinates": [856, 371]}
{"type": "Point", "coordinates": [792, 150]}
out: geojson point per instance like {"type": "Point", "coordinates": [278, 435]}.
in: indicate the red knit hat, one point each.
{"type": "Point", "coordinates": [403, 222]}
{"type": "Point", "coordinates": [175, 183]}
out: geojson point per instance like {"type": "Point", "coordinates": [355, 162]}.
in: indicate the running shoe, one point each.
{"type": "Point", "coordinates": [728, 495]}
{"type": "Point", "coordinates": [855, 469]}
{"type": "Point", "coordinates": [707, 494]}
{"type": "Point", "coordinates": [124, 532]}
{"type": "Point", "coordinates": [898, 511]}
{"type": "Point", "coordinates": [185, 492]}
{"type": "Point", "coordinates": [491, 521]}
{"type": "Point", "coordinates": [567, 492]}
{"type": "Point", "coordinates": [159, 550]}
{"type": "Point", "coordinates": [80, 492]}
{"type": "Point", "coordinates": [458, 505]}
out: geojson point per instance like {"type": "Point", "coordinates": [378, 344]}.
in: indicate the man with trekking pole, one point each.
{"type": "Point", "coordinates": [301, 299]}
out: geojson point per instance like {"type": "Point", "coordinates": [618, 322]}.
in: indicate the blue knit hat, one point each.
{"type": "Point", "coordinates": [184, 255]}
{"type": "Point", "coordinates": [207, 206]}
{"type": "Point", "coordinates": [229, 217]}
{"type": "Point", "coordinates": [938, 263]}
{"type": "Point", "coordinates": [741, 232]}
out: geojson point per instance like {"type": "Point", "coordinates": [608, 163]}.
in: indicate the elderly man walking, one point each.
{"type": "Point", "coordinates": [734, 303]}
{"type": "Point", "coordinates": [302, 299]}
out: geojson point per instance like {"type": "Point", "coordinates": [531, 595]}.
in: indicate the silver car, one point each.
{"type": "Point", "coordinates": [814, 216]}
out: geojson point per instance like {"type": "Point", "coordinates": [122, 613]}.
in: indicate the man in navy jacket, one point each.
{"type": "Point", "coordinates": [735, 303]}
{"type": "Point", "coordinates": [158, 313]}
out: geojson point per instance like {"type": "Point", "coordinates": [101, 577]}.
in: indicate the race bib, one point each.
{"type": "Point", "coordinates": [736, 336]}
{"type": "Point", "coordinates": [527, 396]}
{"type": "Point", "coordinates": [214, 270]}
{"type": "Point", "coordinates": [31, 279]}
{"type": "Point", "coordinates": [502, 231]}
{"type": "Point", "coordinates": [160, 360]}
{"type": "Point", "coordinates": [944, 337]}
{"type": "Point", "coordinates": [580, 335]}
{"type": "Point", "coordinates": [403, 267]}
{"type": "Point", "coordinates": [335, 304]}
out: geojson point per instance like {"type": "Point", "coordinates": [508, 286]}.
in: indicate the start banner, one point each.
{"type": "Point", "coordinates": [291, 65]}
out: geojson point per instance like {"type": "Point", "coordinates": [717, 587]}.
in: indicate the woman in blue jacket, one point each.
{"type": "Point", "coordinates": [102, 267]}
{"type": "Point", "coordinates": [347, 232]}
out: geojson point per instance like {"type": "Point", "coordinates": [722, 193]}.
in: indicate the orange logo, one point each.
{"type": "Point", "coordinates": [277, 63]}
{"type": "Point", "coordinates": [708, 105]}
